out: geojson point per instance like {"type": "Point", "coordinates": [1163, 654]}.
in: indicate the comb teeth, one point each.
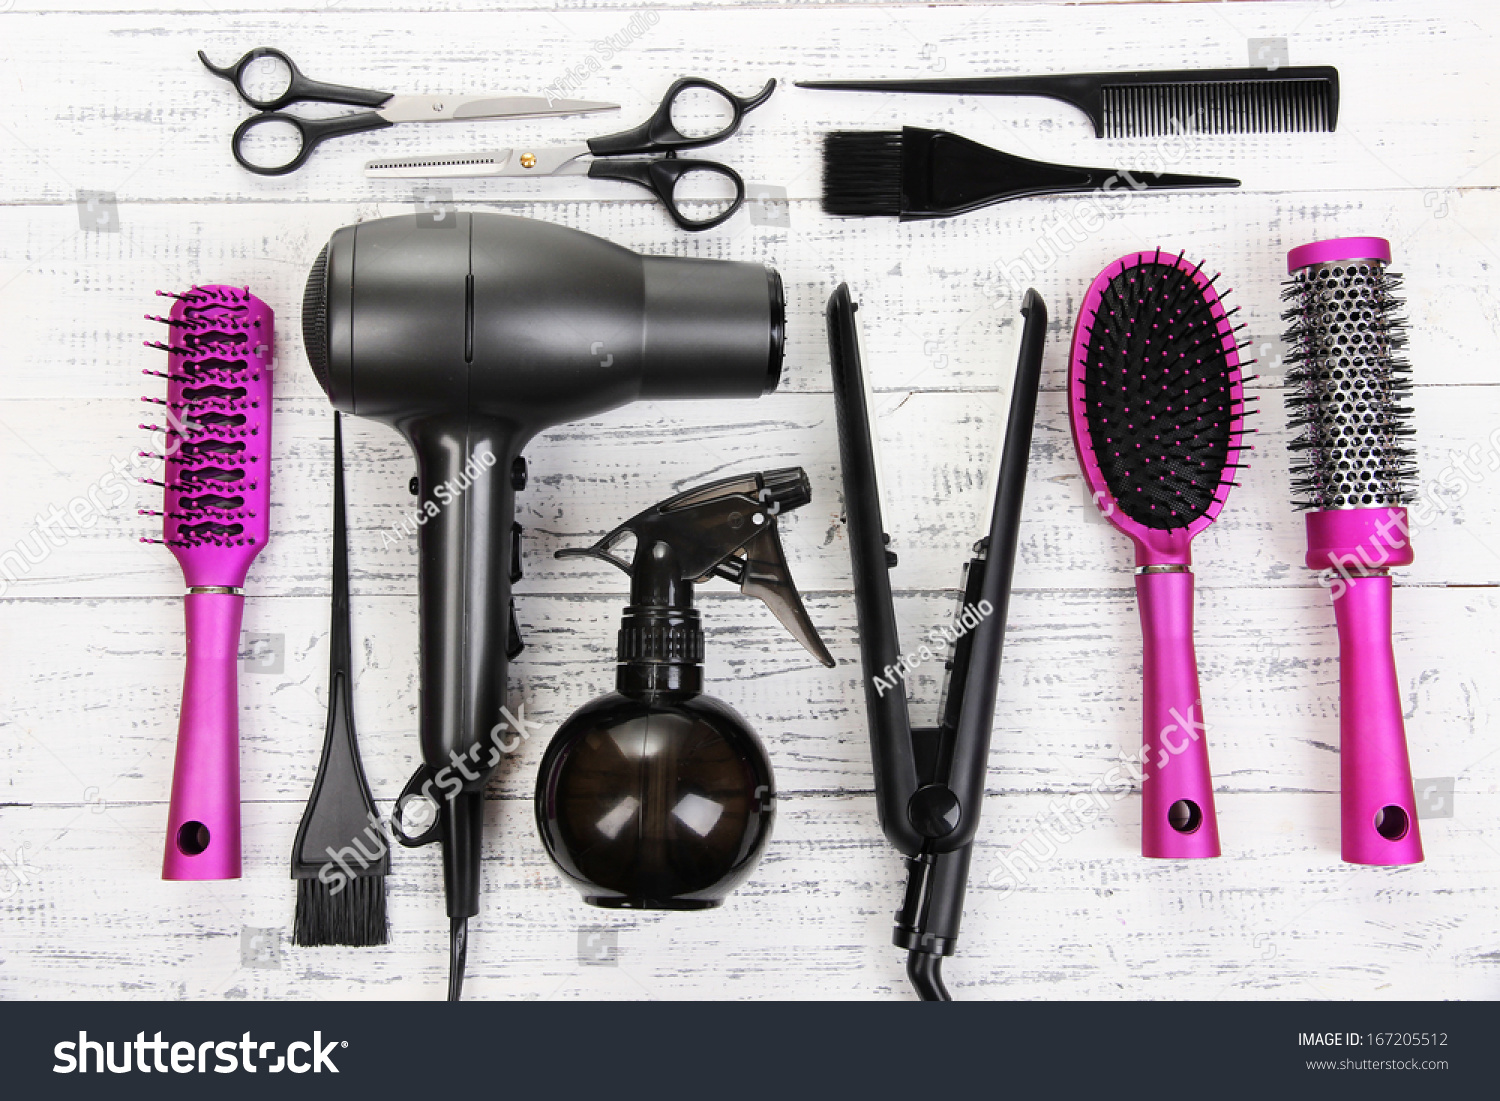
{"type": "Point", "coordinates": [214, 442]}
{"type": "Point", "coordinates": [1261, 106]}
{"type": "Point", "coordinates": [1162, 391]}
{"type": "Point", "coordinates": [1345, 384]}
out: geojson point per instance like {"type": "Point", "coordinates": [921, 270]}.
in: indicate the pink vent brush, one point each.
{"type": "Point", "coordinates": [1353, 471]}
{"type": "Point", "coordinates": [216, 443]}
{"type": "Point", "coordinates": [1157, 406]}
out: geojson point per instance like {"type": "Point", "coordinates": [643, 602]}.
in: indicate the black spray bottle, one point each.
{"type": "Point", "coordinates": [657, 796]}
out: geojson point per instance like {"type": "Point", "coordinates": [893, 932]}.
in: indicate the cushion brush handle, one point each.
{"type": "Point", "coordinates": [1378, 803]}
{"type": "Point", "coordinates": [1177, 791]}
{"type": "Point", "coordinates": [203, 824]}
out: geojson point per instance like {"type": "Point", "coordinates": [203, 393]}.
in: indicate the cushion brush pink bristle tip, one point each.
{"type": "Point", "coordinates": [1157, 406]}
{"type": "Point", "coordinates": [215, 444]}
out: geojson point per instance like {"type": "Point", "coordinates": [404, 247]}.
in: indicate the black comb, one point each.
{"type": "Point", "coordinates": [1128, 105]}
{"type": "Point", "coordinates": [1157, 356]}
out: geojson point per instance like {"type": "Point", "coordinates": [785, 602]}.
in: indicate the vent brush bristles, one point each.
{"type": "Point", "coordinates": [1157, 407]}
{"type": "Point", "coordinates": [1352, 471]}
{"type": "Point", "coordinates": [215, 453]}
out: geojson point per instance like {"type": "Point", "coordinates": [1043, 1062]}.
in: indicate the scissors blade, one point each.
{"type": "Point", "coordinates": [452, 108]}
{"type": "Point", "coordinates": [556, 160]}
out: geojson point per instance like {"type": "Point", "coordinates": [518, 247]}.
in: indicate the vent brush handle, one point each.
{"type": "Point", "coordinates": [203, 824]}
{"type": "Point", "coordinates": [1177, 792]}
{"type": "Point", "coordinates": [1378, 802]}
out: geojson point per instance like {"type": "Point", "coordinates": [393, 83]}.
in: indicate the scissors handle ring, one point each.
{"type": "Point", "coordinates": [310, 133]}
{"type": "Point", "coordinates": [660, 176]}
{"type": "Point", "coordinates": [659, 134]}
{"type": "Point", "coordinates": [299, 88]}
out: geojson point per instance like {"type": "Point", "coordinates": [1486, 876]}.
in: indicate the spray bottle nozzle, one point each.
{"type": "Point", "coordinates": [724, 529]}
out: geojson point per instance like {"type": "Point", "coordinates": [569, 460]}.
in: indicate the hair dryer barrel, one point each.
{"type": "Point", "coordinates": [530, 322]}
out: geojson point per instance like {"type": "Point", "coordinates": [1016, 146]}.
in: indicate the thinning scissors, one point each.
{"type": "Point", "coordinates": [389, 108]}
{"type": "Point", "coordinates": [659, 175]}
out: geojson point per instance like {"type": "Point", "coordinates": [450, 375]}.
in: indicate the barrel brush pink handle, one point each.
{"type": "Point", "coordinates": [1378, 802]}
{"type": "Point", "coordinates": [203, 823]}
{"type": "Point", "coordinates": [1177, 790]}
{"type": "Point", "coordinates": [1378, 805]}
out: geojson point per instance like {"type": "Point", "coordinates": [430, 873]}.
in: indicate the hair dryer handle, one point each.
{"type": "Point", "coordinates": [466, 507]}
{"type": "Point", "coordinates": [203, 823]}
{"type": "Point", "coordinates": [1378, 804]}
{"type": "Point", "coordinates": [1177, 792]}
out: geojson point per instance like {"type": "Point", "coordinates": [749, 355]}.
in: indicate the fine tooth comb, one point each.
{"type": "Point", "coordinates": [1157, 406]}
{"type": "Point", "coordinates": [1352, 471]}
{"type": "Point", "coordinates": [1145, 104]}
{"type": "Point", "coordinates": [216, 448]}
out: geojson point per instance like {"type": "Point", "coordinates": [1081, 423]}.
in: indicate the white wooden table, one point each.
{"type": "Point", "coordinates": [114, 101]}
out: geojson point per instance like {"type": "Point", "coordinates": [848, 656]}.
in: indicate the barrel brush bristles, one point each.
{"type": "Point", "coordinates": [1346, 387]}
{"type": "Point", "coordinates": [215, 447]}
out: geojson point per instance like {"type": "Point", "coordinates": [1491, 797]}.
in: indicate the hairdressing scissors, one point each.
{"type": "Point", "coordinates": [389, 108]}
{"type": "Point", "coordinates": [594, 158]}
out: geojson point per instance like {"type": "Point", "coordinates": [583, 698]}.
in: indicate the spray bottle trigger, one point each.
{"type": "Point", "coordinates": [762, 572]}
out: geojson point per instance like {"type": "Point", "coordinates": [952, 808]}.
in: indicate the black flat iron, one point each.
{"type": "Point", "coordinates": [929, 781]}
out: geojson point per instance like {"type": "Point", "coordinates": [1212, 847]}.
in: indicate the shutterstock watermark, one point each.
{"type": "Point", "coordinates": [1087, 215]}
{"type": "Point", "coordinates": [1063, 821]}
{"type": "Point", "coordinates": [420, 810]}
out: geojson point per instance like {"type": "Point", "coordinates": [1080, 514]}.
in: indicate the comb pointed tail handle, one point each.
{"type": "Point", "coordinates": [1177, 791]}
{"type": "Point", "coordinates": [203, 822]}
{"type": "Point", "coordinates": [1378, 808]}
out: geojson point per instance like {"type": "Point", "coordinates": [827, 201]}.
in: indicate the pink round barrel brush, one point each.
{"type": "Point", "coordinates": [1157, 405]}
{"type": "Point", "coordinates": [1352, 471]}
{"type": "Point", "coordinates": [216, 445]}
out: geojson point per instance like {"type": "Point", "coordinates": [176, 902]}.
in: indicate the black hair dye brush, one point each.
{"type": "Point", "coordinates": [929, 782]}
{"type": "Point", "coordinates": [341, 856]}
{"type": "Point", "coordinates": [914, 173]}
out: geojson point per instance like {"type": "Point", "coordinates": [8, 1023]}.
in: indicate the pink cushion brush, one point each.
{"type": "Point", "coordinates": [1157, 406]}
{"type": "Point", "coordinates": [215, 440]}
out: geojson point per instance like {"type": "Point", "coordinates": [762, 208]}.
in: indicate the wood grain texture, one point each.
{"type": "Point", "coordinates": [105, 96]}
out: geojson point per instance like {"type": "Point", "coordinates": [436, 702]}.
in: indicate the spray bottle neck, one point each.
{"type": "Point", "coordinates": [661, 634]}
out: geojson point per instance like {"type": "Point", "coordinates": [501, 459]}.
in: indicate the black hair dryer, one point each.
{"type": "Point", "coordinates": [470, 334]}
{"type": "Point", "coordinates": [656, 796]}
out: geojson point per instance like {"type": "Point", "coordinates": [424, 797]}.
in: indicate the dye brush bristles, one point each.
{"type": "Point", "coordinates": [342, 855]}
{"type": "Point", "coordinates": [914, 173]}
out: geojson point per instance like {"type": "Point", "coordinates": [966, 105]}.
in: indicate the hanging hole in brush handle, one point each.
{"type": "Point", "coordinates": [715, 187]}
{"type": "Point", "coordinates": [246, 73]}
{"type": "Point", "coordinates": [1377, 799]}
{"type": "Point", "coordinates": [1177, 796]}
{"type": "Point", "coordinates": [288, 140]}
{"type": "Point", "coordinates": [661, 134]}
